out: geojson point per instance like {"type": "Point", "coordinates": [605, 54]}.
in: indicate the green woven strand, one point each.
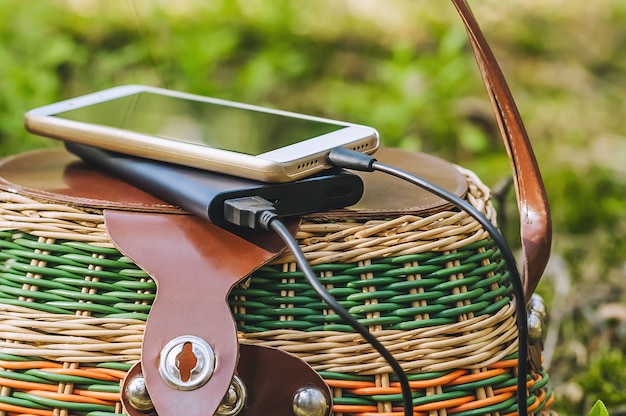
{"type": "Point", "coordinates": [84, 306]}
{"type": "Point", "coordinates": [495, 307]}
{"type": "Point", "coordinates": [84, 270]}
{"type": "Point", "coordinates": [136, 285]}
{"type": "Point", "coordinates": [491, 381]}
{"type": "Point", "coordinates": [44, 307]}
{"type": "Point", "coordinates": [16, 401]}
{"type": "Point", "coordinates": [475, 308]}
{"type": "Point", "coordinates": [134, 273]}
{"type": "Point", "coordinates": [422, 399]}
{"type": "Point", "coordinates": [73, 283]}
{"type": "Point", "coordinates": [462, 296]}
{"type": "Point", "coordinates": [378, 295]}
{"type": "Point", "coordinates": [541, 383]}
{"type": "Point", "coordinates": [35, 294]}
{"type": "Point", "coordinates": [129, 315]}
{"type": "Point", "coordinates": [376, 281]}
{"type": "Point", "coordinates": [86, 297]}
{"type": "Point", "coordinates": [48, 258]}
{"type": "Point", "coordinates": [514, 408]}
{"type": "Point", "coordinates": [449, 285]}
{"type": "Point", "coordinates": [11, 357]}
{"type": "Point", "coordinates": [133, 307]}
{"type": "Point", "coordinates": [423, 270]}
{"type": "Point", "coordinates": [64, 378]}
{"type": "Point", "coordinates": [331, 375]}
{"type": "Point", "coordinates": [353, 400]}
{"type": "Point", "coordinates": [97, 261]}
{"type": "Point", "coordinates": [33, 243]}
{"type": "Point", "coordinates": [296, 325]}
{"type": "Point", "coordinates": [6, 243]}
{"type": "Point", "coordinates": [89, 248]}
{"type": "Point", "coordinates": [15, 375]}
{"type": "Point", "coordinates": [45, 271]}
{"type": "Point", "coordinates": [417, 297]}
{"type": "Point", "coordinates": [288, 300]}
{"type": "Point", "coordinates": [51, 403]}
{"type": "Point", "coordinates": [130, 295]}
{"type": "Point", "coordinates": [374, 307]}
{"type": "Point", "coordinates": [420, 310]}
{"type": "Point", "coordinates": [414, 284]}
{"type": "Point", "coordinates": [273, 312]}
{"type": "Point", "coordinates": [423, 323]}
{"type": "Point", "coordinates": [331, 318]}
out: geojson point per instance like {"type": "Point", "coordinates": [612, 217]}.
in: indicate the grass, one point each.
{"type": "Point", "coordinates": [405, 68]}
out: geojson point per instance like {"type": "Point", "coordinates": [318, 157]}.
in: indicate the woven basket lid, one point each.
{"type": "Point", "coordinates": [57, 175]}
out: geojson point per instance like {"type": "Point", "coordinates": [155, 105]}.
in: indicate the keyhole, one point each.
{"type": "Point", "coordinates": [186, 361]}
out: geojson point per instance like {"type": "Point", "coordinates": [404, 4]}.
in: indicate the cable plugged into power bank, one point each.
{"type": "Point", "coordinates": [257, 213]}
{"type": "Point", "coordinates": [251, 212]}
{"type": "Point", "coordinates": [349, 159]}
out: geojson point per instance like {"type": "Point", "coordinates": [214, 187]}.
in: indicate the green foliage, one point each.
{"type": "Point", "coordinates": [409, 90]}
{"type": "Point", "coordinates": [599, 409]}
{"type": "Point", "coordinates": [606, 379]}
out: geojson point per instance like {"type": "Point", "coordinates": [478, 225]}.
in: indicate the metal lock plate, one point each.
{"type": "Point", "coordinates": [187, 362]}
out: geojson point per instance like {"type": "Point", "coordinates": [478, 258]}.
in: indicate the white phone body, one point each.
{"type": "Point", "coordinates": [223, 136]}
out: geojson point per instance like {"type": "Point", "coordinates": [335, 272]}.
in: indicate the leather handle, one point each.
{"type": "Point", "coordinates": [535, 221]}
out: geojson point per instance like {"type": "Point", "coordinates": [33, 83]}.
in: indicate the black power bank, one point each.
{"type": "Point", "coordinates": [203, 193]}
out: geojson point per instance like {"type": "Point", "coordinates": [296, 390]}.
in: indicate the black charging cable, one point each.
{"type": "Point", "coordinates": [258, 213]}
{"type": "Point", "coordinates": [350, 159]}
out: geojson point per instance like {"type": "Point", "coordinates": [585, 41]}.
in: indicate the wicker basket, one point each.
{"type": "Point", "coordinates": [432, 288]}
{"type": "Point", "coordinates": [430, 285]}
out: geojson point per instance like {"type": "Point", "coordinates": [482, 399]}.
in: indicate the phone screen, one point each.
{"type": "Point", "coordinates": [194, 121]}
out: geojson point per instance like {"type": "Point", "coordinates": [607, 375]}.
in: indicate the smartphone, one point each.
{"type": "Point", "coordinates": [212, 134]}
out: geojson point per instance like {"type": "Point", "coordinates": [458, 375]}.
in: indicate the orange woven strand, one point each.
{"type": "Point", "coordinates": [477, 376]}
{"type": "Point", "coordinates": [84, 372]}
{"type": "Point", "coordinates": [395, 387]}
{"type": "Point", "coordinates": [28, 365]}
{"type": "Point", "coordinates": [26, 385]}
{"type": "Point", "coordinates": [19, 410]}
{"type": "Point", "coordinates": [113, 397]}
{"type": "Point", "coordinates": [477, 404]}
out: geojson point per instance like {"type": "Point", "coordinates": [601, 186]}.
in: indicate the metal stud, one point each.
{"type": "Point", "coordinates": [137, 394]}
{"type": "Point", "coordinates": [234, 400]}
{"type": "Point", "coordinates": [538, 305]}
{"type": "Point", "coordinates": [535, 328]}
{"type": "Point", "coordinates": [310, 401]}
{"type": "Point", "coordinates": [170, 362]}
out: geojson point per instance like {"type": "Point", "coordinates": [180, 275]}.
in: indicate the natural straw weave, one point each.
{"type": "Point", "coordinates": [433, 289]}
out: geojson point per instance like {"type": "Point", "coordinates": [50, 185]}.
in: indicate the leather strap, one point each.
{"type": "Point", "coordinates": [195, 264]}
{"type": "Point", "coordinates": [535, 221]}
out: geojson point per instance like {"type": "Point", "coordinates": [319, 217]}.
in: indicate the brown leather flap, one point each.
{"type": "Point", "coordinates": [56, 175]}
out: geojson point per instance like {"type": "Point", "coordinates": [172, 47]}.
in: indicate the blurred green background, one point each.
{"type": "Point", "coordinates": [404, 67]}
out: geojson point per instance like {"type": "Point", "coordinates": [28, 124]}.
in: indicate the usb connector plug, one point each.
{"type": "Point", "coordinates": [252, 211]}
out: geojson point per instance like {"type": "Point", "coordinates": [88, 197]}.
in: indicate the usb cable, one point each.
{"type": "Point", "coordinates": [350, 159]}
{"type": "Point", "coordinates": [257, 213]}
